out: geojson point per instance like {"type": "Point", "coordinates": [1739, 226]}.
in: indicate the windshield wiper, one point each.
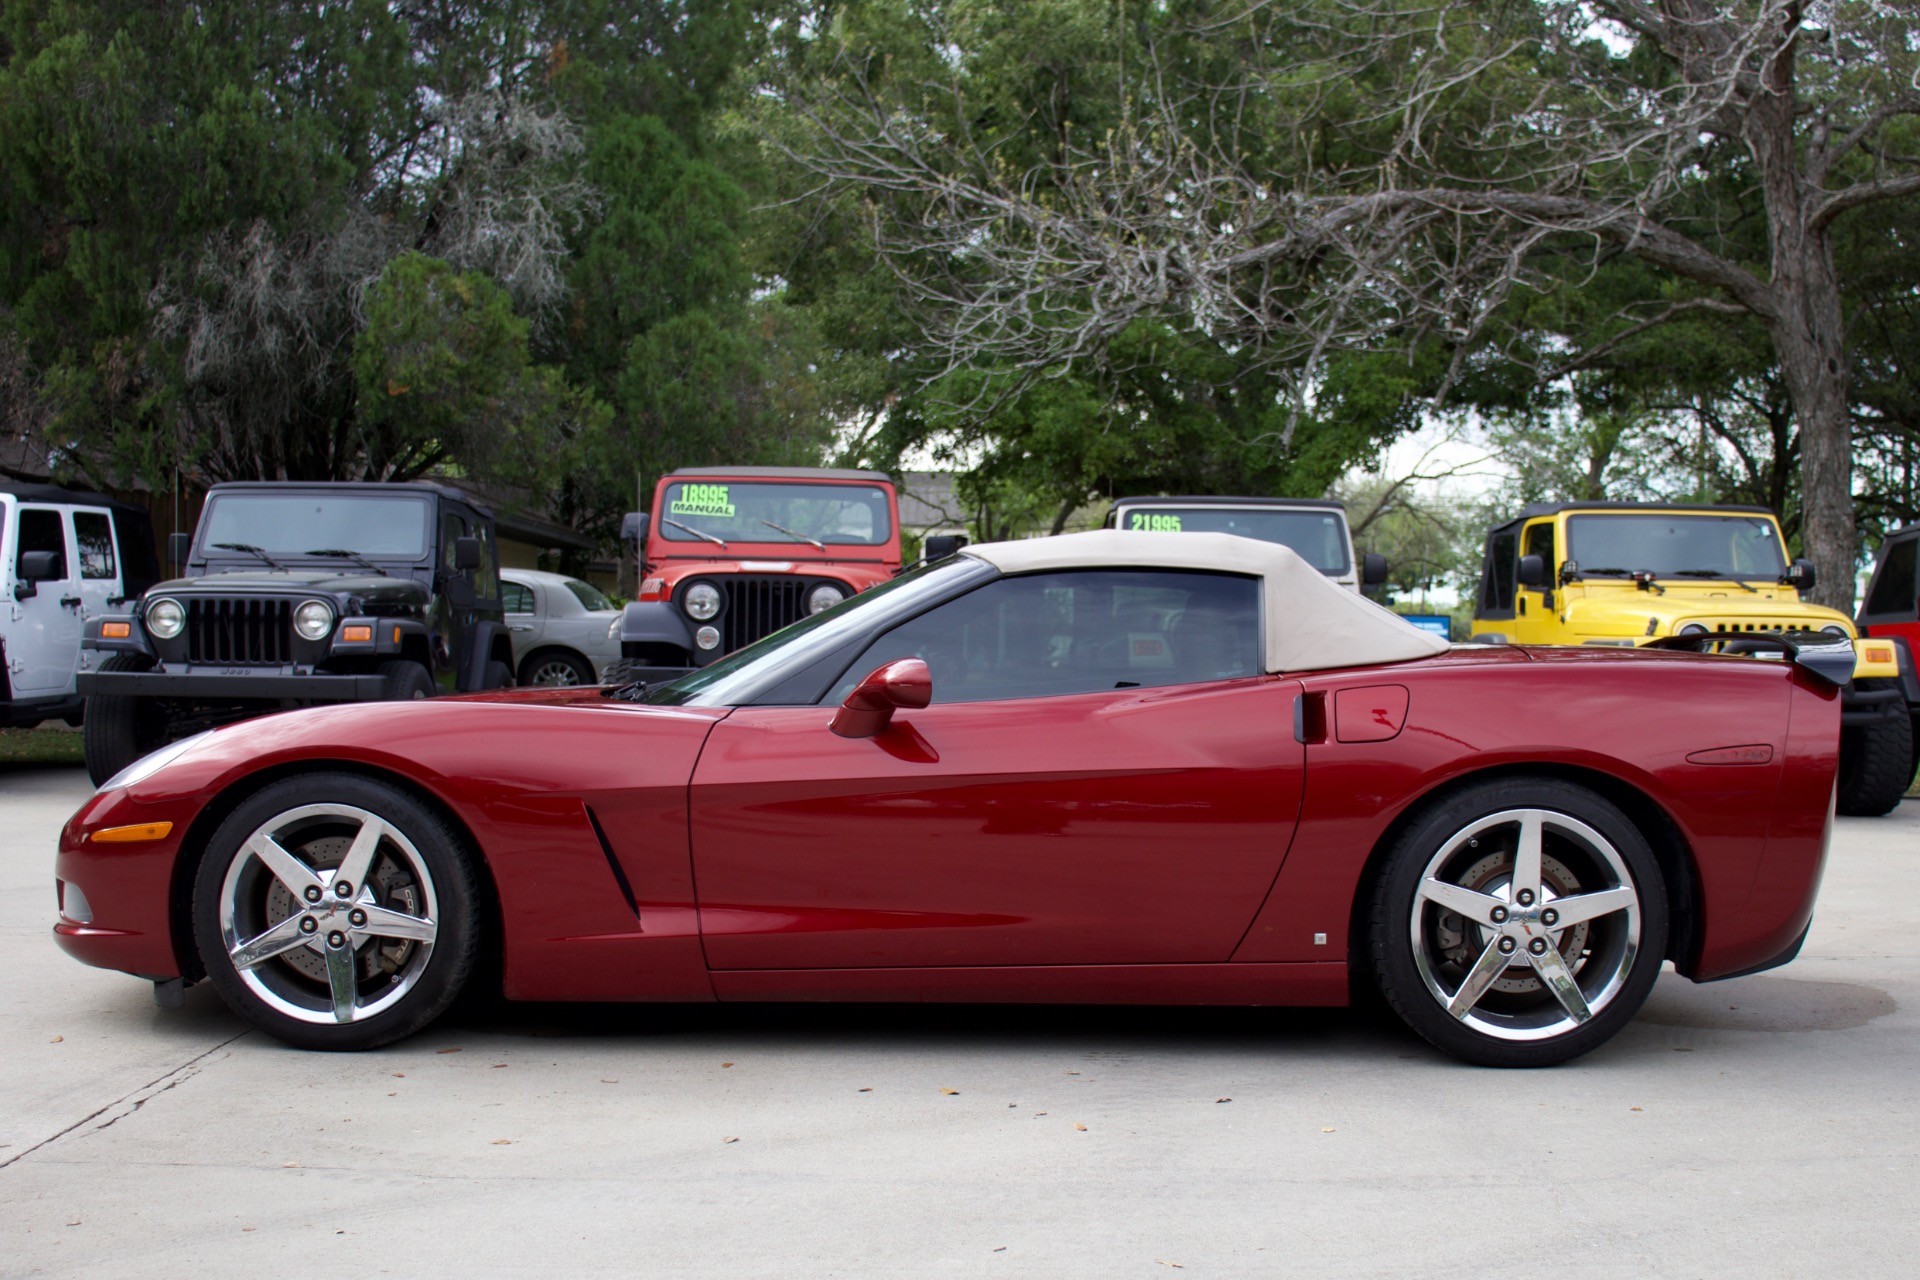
{"type": "Point", "coordinates": [687, 528]}
{"type": "Point", "coordinates": [1712, 573]}
{"type": "Point", "coordinates": [252, 550]}
{"type": "Point", "coordinates": [349, 555]}
{"type": "Point", "coordinates": [791, 534]}
{"type": "Point", "coordinates": [1619, 573]}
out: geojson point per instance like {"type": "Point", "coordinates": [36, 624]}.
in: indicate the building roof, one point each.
{"type": "Point", "coordinates": [1311, 623]}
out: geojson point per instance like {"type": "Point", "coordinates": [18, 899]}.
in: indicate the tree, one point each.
{"type": "Point", "coordinates": [1302, 178]}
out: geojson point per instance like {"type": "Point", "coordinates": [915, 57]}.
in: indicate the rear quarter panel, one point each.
{"type": "Point", "coordinates": [1753, 835]}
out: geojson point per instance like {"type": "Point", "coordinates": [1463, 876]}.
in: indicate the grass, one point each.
{"type": "Point", "coordinates": [42, 746]}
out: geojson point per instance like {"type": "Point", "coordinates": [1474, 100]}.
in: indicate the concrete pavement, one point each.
{"type": "Point", "coordinates": [1764, 1126]}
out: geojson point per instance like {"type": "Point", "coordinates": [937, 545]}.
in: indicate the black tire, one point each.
{"type": "Point", "coordinates": [1876, 759]}
{"type": "Point", "coordinates": [498, 676]}
{"type": "Point", "coordinates": [406, 680]}
{"type": "Point", "coordinates": [1446, 905]}
{"type": "Point", "coordinates": [381, 960]}
{"type": "Point", "coordinates": [118, 729]}
{"type": "Point", "coordinates": [555, 667]}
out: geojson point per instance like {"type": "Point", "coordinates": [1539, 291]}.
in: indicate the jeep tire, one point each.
{"type": "Point", "coordinates": [1876, 759]}
{"type": "Point", "coordinates": [119, 728]}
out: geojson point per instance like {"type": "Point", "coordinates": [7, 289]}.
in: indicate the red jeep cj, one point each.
{"type": "Point", "coordinates": [729, 555]}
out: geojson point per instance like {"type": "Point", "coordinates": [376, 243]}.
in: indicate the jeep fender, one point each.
{"type": "Point", "coordinates": [487, 637]}
{"type": "Point", "coordinates": [654, 622]}
{"type": "Point", "coordinates": [134, 642]}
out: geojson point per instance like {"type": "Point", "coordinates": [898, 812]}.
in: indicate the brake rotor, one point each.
{"type": "Point", "coordinates": [392, 888]}
{"type": "Point", "coordinates": [1493, 875]}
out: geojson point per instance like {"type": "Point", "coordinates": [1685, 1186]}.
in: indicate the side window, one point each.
{"type": "Point", "coordinates": [93, 538]}
{"type": "Point", "coordinates": [1499, 575]}
{"type": "Point", "coordinates": [519, 599]}
{"type": "Point", "coordinates": [1894, 588]}
{"type": "Point", "coordinates": [1048, 634]}
{"type": "Point", "coordinates": [486, 579]}
{"type": "Point", "coordinates": [1540, 543]}
{"type": "Point", "coordinates": [40, 530]}
{"type": "Point", "coordinates": [452, 529]}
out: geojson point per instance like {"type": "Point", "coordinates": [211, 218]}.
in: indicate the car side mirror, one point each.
{"type": "Point", "coordinates": [35, 566]}
{"type": "Point", "coordinates": [1801, 576]}
{"type": "Point", "coordinates": [466, 554]}
{"type": "Point", "coordinates": [1533, 571]}
{"type": "Point", "coordinates": [904, 682]}
{"type": "Point", "coordinates": [1373, 569]}
{"type": "Point", "coordinates": [633, 526]}
{"type": "Point", "coordinates": [179, 547]}
{"type": "Point", "coordinates": [939, 546]}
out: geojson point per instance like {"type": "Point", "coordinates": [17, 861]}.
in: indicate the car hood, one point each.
{"type": "Point", "coordinates": [1708, 604]}
{"type": "Point", "coordinates": [358, 581]}
{"type": "Point", "coordinates": [465, 749]}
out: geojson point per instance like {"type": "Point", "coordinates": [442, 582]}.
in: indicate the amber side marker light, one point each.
{"type": "Point", "coordinates": [1878, 653]}
{"type": "Point", "coordinates": [132, 835]}
{"type": "Point", "coordinates": [356, 635]}
{"type": "Point", "coordinates": [116, 630]}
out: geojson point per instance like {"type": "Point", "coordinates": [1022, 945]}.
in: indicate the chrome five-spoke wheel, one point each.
{"type": "Point", "coordinates": [326, 909]}
{"type": "Point", "coordinates": [1520, 923]}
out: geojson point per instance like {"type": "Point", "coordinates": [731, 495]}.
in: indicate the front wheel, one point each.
{"type": "Point", "coordinates": [118, 729]}
{"type": "Point", "coordinates": [406, 680]}
{"type": "Point", "coordinates": [1876, 758]}
{"type": "Point", "coordinates": [1519, 923]}
{"type": "Point", "coordinates": [336, 912]}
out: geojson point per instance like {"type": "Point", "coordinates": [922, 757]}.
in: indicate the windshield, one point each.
{"type": "Point", "coordinates": [1676, 546]}
{"type": "Point", "coordinates": [297, 523]}
{"type": "Point", "coordinates": [1318, 535]}
{"type": "Point", "coordinates": [738, 677]}
{"type": "Point", "coordinates": [847, 515]}
{"type": "Point", "coordinates": [589, 596]}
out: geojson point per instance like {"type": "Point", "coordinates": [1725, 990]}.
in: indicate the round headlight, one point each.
{"type": "Point", "coordinates": [1691, 629]}
{"type": "Point", "coordinates": [702, 600]}
{"type": "Point", "coordinates": [707, 637]}
{"type": "Point", "coordinates": [165, 619]}
{"type": "Point", "coordinates": [824, 597]}
{"type": "Point", "coordinates": [313, 619]}
{"type": "Point", "coordinates": [1835, 629]}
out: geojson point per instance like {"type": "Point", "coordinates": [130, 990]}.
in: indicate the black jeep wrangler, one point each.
{"type": "Point", "coordinates": [295, 594]}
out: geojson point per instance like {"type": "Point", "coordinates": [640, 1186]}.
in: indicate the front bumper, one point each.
{"type": "Point", "coordinates": [229, 682]}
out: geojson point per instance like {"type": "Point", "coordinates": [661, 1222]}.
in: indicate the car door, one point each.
{"type": "Point", "coordinates": [525, 617]}
{"type": "Point", "coordinates": [1536, 623]}
{"type": "Point", "coordinates": [1104, 777]}
{"type": "Point", "coordinates": [43, 644]}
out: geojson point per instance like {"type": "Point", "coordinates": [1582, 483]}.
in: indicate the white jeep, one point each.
{"type": "Point", "coordinates": [65, 557]}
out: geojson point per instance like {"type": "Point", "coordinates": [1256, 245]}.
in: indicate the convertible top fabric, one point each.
{"type": "Point", "coordinates": [1311, 624]}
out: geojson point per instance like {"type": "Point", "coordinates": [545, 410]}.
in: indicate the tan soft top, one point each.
{"type": "Point", "coordinates": [1311, 623]}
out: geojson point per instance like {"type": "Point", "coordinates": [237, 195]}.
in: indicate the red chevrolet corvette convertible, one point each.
{"type": "Point", "coordinates": [1107, 767]}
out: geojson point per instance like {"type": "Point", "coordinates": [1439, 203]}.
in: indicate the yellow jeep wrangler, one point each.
{"type": "Point", "coordinates": [1623, 573]}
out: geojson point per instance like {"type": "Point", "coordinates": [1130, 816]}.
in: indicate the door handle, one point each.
{"type": "Point", "coordinates": [521, 627]}
{"type": "Point", "coordinates": [71, 602]}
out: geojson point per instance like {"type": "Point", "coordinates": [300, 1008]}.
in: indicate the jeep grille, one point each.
{"type": "Point", "coordinates": [757, 607]}
{"type": "Point", "coordinates": [243, 632]}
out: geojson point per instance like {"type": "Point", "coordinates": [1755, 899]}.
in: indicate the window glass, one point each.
{"type": "Point", "coordinates": [40, 530]}
{"type": "Point", "coordinates": [93, 539]}
{"type": "Point", "coordinates": [1497, 579]}
{"type": "Point", "coordinates": [1676, 546]}
{"type": "Point", "coordinates": [1047, 634]}
{"type": "Point", "coordinates": [774, 511]}
{"type": "Point", "coordinates": [519, 599]}
{"type": "Point", "coordinates": [1893, 589]}
{"type": "Point", "coordinates": [589, 596]}
{"type": "Point", "coordinates": [294, 523]}
{"type": "Point", "coordinates": [1319, 536]}
{"type": "Point", "coordinates": [1540, 543]}
{"type": "Point", "coordinates": [486, 579]}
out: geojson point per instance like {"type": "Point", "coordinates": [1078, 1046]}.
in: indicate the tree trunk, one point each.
{"type": "Point", "coordinates": [1809, 337]}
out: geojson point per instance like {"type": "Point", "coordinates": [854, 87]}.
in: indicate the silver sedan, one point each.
{"type": "Point", "coordinates": [564, 630]}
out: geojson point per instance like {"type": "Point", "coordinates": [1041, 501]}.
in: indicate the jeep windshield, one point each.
{"type": "Point", "coordinates": [1320, 537]}
{"type": "Point", "coordinates": [1672, 545]}
{"type": "Point", "coordinates": [294, 524]}
{"type": "Point", "coordinates": [845, 515]}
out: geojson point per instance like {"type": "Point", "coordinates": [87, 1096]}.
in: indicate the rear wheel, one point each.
{"type": "Point", "coordinates": [336, 912]}
{"type": "Point", "coordinates": [1876, 758]}
{"type": "Point", "coordinates": [118, 729]}
{"type": "Point", "coordinates": [1519, 923]}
